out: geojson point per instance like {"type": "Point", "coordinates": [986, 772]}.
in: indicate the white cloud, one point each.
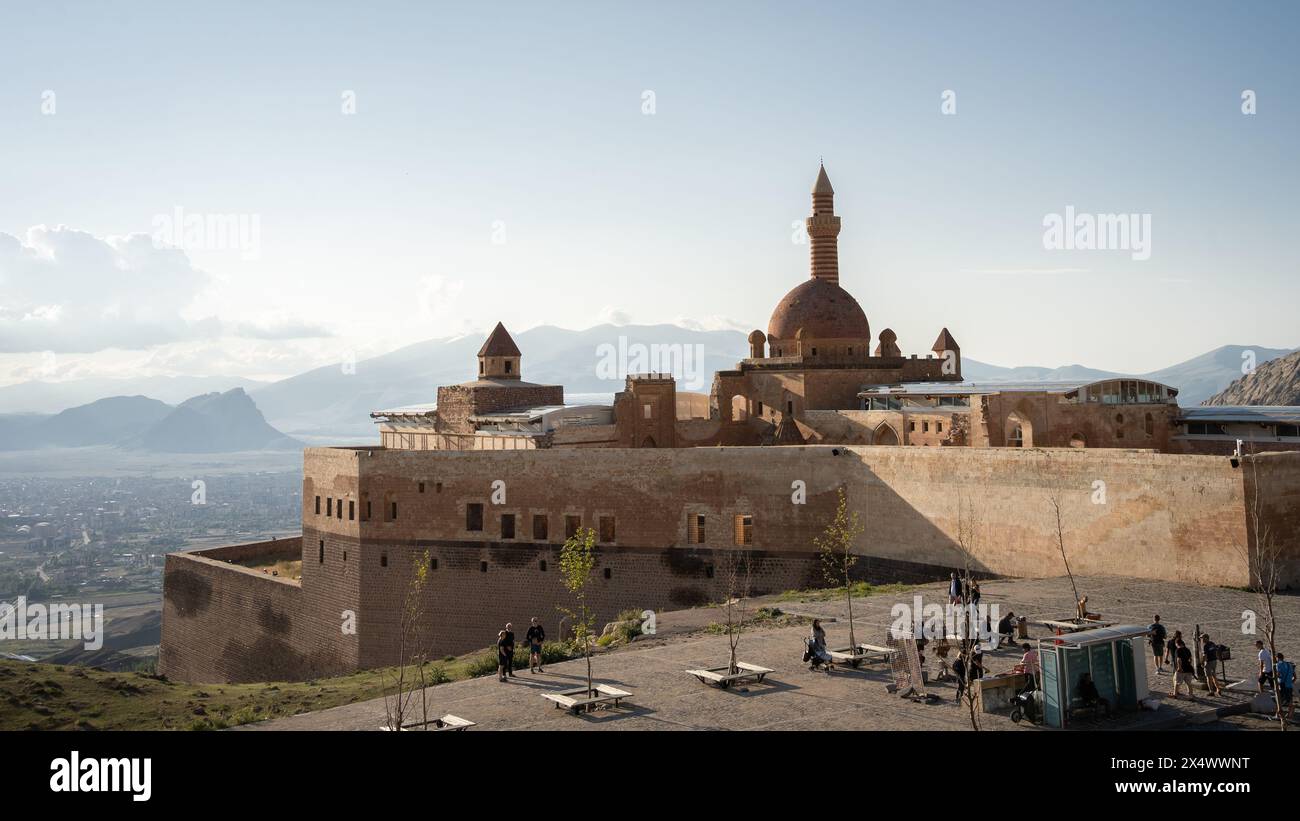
{"type": "Point", "coordinates": [610, 315]}
{"type": "Point", "coordinates": [68, 291]}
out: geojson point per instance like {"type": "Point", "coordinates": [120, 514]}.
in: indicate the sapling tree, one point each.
{"type": "Point", "coordinates": [968, 532]}
{"type": "Point", "coordinates": [836, 546]}
{"type": "Point", "coordinates": [409, 675]}
{"type": "Point", "coordinates": [577, 561]}
{"type": "Point", "coordinates": [737, 565]}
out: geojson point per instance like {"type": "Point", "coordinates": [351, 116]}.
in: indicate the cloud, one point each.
{"type": "Point", "coordinates": [610, 315]}
{"type": "Point", "coordinates": [711, 323]}
{"type": "Point", "coordinates": [68, 291]}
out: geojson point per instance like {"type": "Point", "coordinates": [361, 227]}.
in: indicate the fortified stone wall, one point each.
{"type": "Point", "coordinates": [225, 623]}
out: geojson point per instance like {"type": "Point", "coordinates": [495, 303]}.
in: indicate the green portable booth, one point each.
{"type": "Point", "coordinates": [1116, 658]}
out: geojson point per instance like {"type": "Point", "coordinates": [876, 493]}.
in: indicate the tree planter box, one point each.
{"type": "Point", "coordinates": [582, 698]}
{"type": "Point", "coordinates": [447, 723]}
{"type": "Point", "coordinates": [863, 652]}
{"type": "Point", "coordinates": [724, 678]}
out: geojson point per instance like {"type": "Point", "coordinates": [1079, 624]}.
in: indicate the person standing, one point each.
{"type": "Point", "coordinates": [503, 655]}
{"type": "Point", "coordinates": [954, 590]}
{"type": "Point", "coordinates": [535, 636]}
{"type": "Point", "coordinates": [1210, 652]}
{"type": "Point", "coordinates": [1156, 635]}
{"type": "Point", "coordinates": [510, 645]}
{"type": "Point", "coordinates": [1285, 688]}
{"type": "Point", "coordinates": [1184, 668]}
{"type": "Point", "coordinates": [1265, 665]}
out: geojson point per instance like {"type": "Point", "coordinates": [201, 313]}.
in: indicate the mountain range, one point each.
{"type": "Point", "coordinates": [209, 423]}
{"type": "Point", "coordinates": [336, 400]}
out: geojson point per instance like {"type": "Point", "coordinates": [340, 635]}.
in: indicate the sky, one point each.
{"type": "Point", "coordinates": [395, 172]}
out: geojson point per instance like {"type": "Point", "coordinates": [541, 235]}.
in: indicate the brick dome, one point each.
{"type": "Point", "coordinates": [822, 309]}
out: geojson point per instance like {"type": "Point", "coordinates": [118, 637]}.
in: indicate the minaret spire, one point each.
{"type": "Point", "coordinates": [824, 230]}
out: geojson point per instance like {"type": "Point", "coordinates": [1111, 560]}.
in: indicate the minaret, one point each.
{"type": "Point", "coordinates": [824, 230]}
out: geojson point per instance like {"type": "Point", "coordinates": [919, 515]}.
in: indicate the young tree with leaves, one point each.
{"type": "Point", "coordinates": [577, 561]}
{"type": "Point", "coordinates": [836, 546]}
{"type": "Point", "coordinates": [968, 527]}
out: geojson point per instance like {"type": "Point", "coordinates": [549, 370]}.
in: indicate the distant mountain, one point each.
{"type": "Point", "coordinates": [333, 400]}
{"type": "Point", "coordinates": [1203, 376]}
{"type": "Point", "coordinates": [104, 421]}
{"type": "Point", "coordinates": [213, 423]}
{"type": "Point", "coordinates": [1276, 382]}
{"type": "Point", "coordinates": [52, 397]}
{"type": "Point", "coordinates": [1196, 379]}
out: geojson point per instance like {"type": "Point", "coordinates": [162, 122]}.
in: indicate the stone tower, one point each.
{"type": "Point", "coordinates": [824, 230]}
{"type": "Point", "coordinates": [499, 356]}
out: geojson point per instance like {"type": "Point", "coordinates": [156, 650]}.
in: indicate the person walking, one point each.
{"type": "Point", "coordinates": [1171, 648]}
{"type": "Point", "coordinates": [1265, 665]}
{"type": "Point", "coordinates": [535, 636]}
{"type": "Point", "coordinates": [1156, 635]}
{"type": "Point", "coordinates": [510, 646]}
{"type": "Point", "coordinates": [954, 590]}
{"type": "Point", "coordinates": [1210, 653]}
{"type": "Point", "coordinates": [1184, 668]}
{"type": "Point", "coordinates": [503, 655]}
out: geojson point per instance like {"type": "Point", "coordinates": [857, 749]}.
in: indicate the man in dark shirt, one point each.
{"type": "Point", "coordinates": [1157, 635]}
{"type": "Point", "coordinates": [535, 636]}
{"type": "Point", "coordinates": [1184, 668]}
{"type": "Point", "coordinates": [510, 649]}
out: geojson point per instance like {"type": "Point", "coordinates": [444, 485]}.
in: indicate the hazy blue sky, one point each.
{"type": "Point", "coordinates": [525, 123]}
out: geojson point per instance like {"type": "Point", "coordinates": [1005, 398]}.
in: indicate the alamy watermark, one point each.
{"type": "Point", "coordinates": [209, 232]}
{"type": "Point", "coordinates": [21, 621]}
{"type": "Point", "coordinates": [684, 361]}
{"type": "Point", "coordinates": [1073, 231]}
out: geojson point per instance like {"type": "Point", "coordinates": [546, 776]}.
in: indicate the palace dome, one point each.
{"type": "Point", "coordinates": [822, 309]}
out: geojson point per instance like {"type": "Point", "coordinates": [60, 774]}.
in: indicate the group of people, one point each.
{"type": "Point", "coordinates": [506, 649]}
{"type": "Point", "coordinates": [1176, 653]}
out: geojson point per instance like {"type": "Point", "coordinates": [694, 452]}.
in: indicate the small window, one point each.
{"type": "Point", "coordinates": [608, 574]}
{"type": "Point", "coordinates": [708, 571]}
{"type": "Point", "coordinates": [393, 512]}
{"type": "Point", "coordinates": [317, 505]}
{"type": "Point", "coordinates": [925, 427]}
{"type": "Point", "coordinates": [437, 487]}
{"type": "Point", "coordinates": [814, 352]}
{"type": "Point", "coordinates": [480, 366]}
{"type": "Point", "coordinates": [648, 410]}
{"type": "Point", "coordinates": [329, 506]}
{"type": "Point", "coordinates": [474, 516]}
{"type": "Point", "coordinates": [508, 364]}
{"type": "Point", "coordinates": [607, 528]}
{"type": "Point", "coordinates": [352, 510]}
{"type": "Point", "coordinates": [345, 555]}
{"type": "Point", "coordinates": [422, 487]}
{"type": "Point", "coordinates": [433, 562]}
{"type": "Point", "coordinates": [383, 560]}
{"type": "Point", "coordinates": [571, 526]}
{"type": "Point", "coordinates": [507, 525]}
{"type": "Point", "coordinates": [542, 565]}
{"type": "Point", "coordinates": [744, 529]}
{"type": "Point", "coordinates": [696, 526]}
{"type": "Point", "coordinates": [339, 510]}
{"type": "Point", "coordinates": [938, 427]}
{"type": "Point", "coordinates": [911, 427]}
{"type": "Point", "coordinates": [482, 567]}
{"type": "Point", "coordinates": [367, 510]}
{"type": "Point", "coordinates": [539, 527]}
{"type": "Point", "coordinates": [322, 552]}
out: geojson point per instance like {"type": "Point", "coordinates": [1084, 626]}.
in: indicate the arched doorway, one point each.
{"type": "Point", "coordinates": [884, 435]}
{"type": "Point", "coordinates": [1078, 441]}
{"type": "Point", "coordinates": [1018, 431]}
{"type": "Point", "coordinates": [739, 408]}
{"type": "Point", "coordinates": [648, 442]}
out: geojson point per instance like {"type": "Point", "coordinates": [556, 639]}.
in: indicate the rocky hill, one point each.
{"type": "Point", "coordinates": [1276, 382]}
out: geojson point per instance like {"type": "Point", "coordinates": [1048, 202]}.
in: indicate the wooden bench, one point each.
{"type": "Point", "coordinates": [582, 698]}
{"type": "Point", "coordinates": [863, 652]}
{"type": "Point", "coordinates": [448, 722]}
{"type": "Point", "coordinates": [724, 679]}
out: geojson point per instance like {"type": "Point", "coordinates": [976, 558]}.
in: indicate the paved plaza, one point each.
{"type": "Point", "coordinates": [795, 698]}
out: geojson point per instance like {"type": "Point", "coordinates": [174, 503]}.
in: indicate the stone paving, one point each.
{"type": "Point", "coordinates": [795, 698]}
